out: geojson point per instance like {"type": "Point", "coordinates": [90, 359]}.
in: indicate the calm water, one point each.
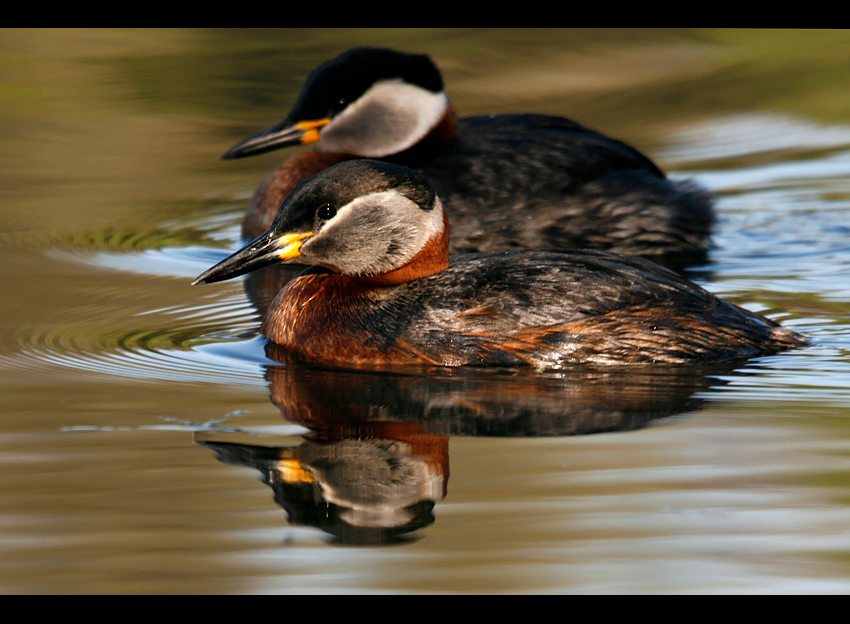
{"type": "Point", "coordinates": [147, 444]}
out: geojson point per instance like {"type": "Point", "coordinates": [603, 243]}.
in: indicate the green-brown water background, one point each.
{"type": "Point", "coordinates": [112, 197]}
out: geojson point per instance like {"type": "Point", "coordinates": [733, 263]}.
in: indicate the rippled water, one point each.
{"type": "Point", "coordinates": [138, 412]}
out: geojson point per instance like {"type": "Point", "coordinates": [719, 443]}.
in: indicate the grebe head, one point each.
{"type": "Point", "coordinates": [359, 218]}
{"type": "Point", "coordinates": [370, 102]}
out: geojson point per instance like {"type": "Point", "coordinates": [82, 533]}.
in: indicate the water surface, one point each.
{"type": "Point", "coordinates": [150, 446]}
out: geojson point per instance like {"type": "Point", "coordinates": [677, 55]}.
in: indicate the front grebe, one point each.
{"type": "Point", "coordinates": [518, 180]}
{"type": "Point", "coordinates": [382, 289]}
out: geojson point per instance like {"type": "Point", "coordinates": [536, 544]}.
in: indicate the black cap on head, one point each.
{"type": "Point", "coordinates": [336, 83]}
{"type": "Point", "coordinates": [346, 181]}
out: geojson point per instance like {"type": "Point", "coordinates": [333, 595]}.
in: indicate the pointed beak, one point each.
{"type": "Point", "coordinates": [283, 134]}
{"type": "Point", "coordinates": [264, 250]}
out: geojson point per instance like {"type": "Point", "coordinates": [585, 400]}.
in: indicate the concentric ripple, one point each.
{"type": "Point", "coordinates": [224, 348]}
{"type": "Point", "coordinates": [125, 334]}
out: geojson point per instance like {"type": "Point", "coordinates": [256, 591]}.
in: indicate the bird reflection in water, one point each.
{"type": "Point", "coordinates": [376, 461]}
{"type": "Point", "coordinates": [363, 489]}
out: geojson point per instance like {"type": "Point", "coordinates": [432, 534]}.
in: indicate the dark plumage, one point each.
{"type": "Point", "coordinates": [523, 307]}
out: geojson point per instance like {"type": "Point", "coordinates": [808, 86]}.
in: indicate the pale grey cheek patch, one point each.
{"type": "Point", "coordinates": [373, 234]}
{"type": "Point", "coordinates": [389, 118]}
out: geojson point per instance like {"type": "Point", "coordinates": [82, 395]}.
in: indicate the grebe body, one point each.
{"type": "Point", "coordinates": [516, 180]}
{"type": "Point", "coordinates": [383, 290]}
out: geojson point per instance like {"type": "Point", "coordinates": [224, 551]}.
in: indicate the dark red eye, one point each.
{"type": "Point", "coordinates": [326, 212]}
